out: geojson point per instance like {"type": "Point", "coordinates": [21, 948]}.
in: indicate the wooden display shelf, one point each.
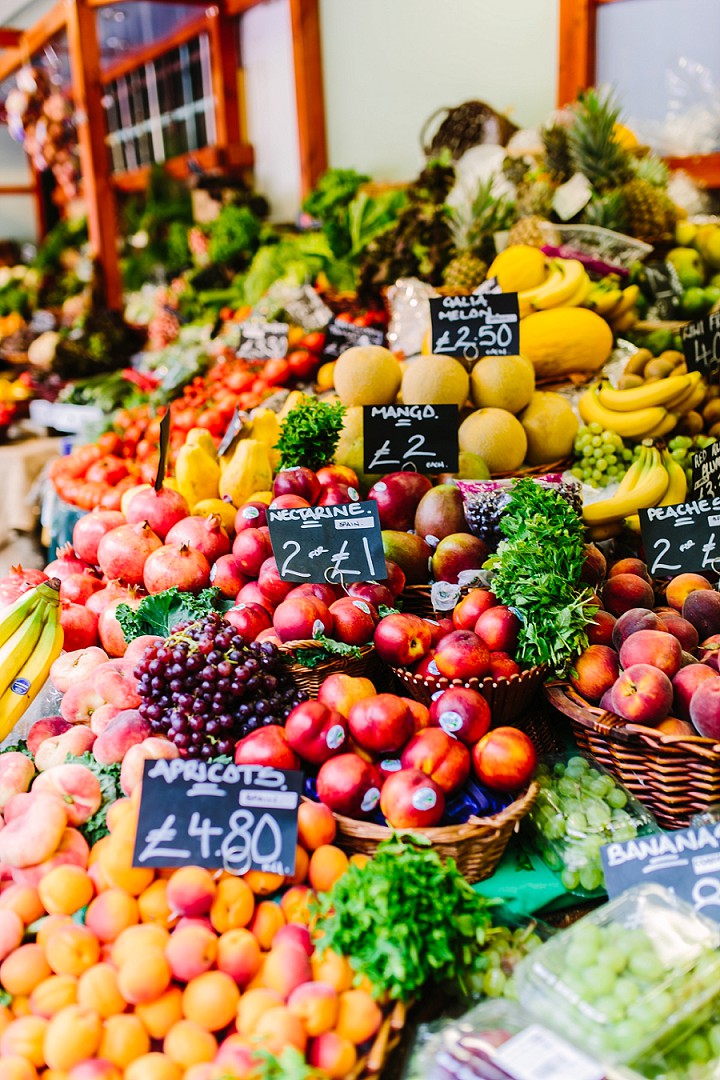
{"type": "Point", "coordinates": [229, 159]}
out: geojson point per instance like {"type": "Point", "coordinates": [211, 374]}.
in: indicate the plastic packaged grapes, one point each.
{"type": "Point", "coordinates": [484, 502]}
{"type": "Point", "coordinates": [498, 1040]}
{"type": "Point", "coordinates": [630, 978]}
{"type": "Point", "coordinates": [695, 1057]}
{"type": "Point", "coordinates": [580, 808]}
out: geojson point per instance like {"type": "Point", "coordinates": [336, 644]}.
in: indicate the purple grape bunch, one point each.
{"type": "Point", "coordinates": [205, 688]}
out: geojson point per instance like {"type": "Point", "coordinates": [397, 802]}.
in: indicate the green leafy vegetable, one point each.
{"type": "Point", "coordinates": [290, 1065]}
{"type": "Point", "coordinates": [536, 572]}
{"type": "Point", "coordinates": [406, 919]}
{"type": "Point", "coordinates": [328, 203]}
{"type": "Point", "coordinates": [234, 236]}
{"type": "Point", "coordinates": [158, 614]}
{"type": "Point", "coordinates": [326, 649]}
{"type": "Point", "coordinates": [109, 776]}
{"type": "Point", "coordinates": [309, 434]}
{"type": "Point", "coordinates": [20, 747]}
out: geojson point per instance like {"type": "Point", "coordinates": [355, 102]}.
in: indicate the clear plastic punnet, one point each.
{"type": "Point", "coordinates": [634, 976]}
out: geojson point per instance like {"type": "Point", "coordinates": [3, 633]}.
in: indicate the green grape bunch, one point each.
{"type": "Point", "coordinates": [600, 457]}
{"type": "Point", "coordinates": [683, 447]}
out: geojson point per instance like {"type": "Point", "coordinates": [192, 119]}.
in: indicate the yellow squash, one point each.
{"type": "Point", "coordinates": [249, 470]}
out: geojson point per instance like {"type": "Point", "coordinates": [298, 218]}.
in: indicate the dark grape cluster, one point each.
{"type": "Point", "coordinates": [205, 689]}
{"type": "Point", "coordinates": [484, 508]}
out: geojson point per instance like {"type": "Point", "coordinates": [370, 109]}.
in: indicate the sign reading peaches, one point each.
{"type": "Point", "coordinates": [410, 438]}
{"type": "Point", "coordinates": [481, 324]}
{"type": "Point", "coordinates": [335, 544]}
{"type": "Point", "coordinates": [218, 814]}
{"type": "Point", "coordinates": [682, 538]}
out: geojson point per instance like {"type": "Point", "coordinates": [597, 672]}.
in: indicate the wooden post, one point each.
{"type": "Point", "coordinates": [307, 57]}
{"type": "Point", "coordinates": [224, 60]}
{"type": "Point", "coordinates": [84, 52]}
{"type": "Point", "coordinates": [576, 48]}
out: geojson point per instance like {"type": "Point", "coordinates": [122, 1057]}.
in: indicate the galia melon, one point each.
{"type": "Point", "coordinates": [551, 426]}
{"type": "Point", "coordinates": [564, 340]}
{"type": "Point", "coordinates": [367, 375]}
{"type": "Point", "coordinates": [435, 380]}
{"type": "Point", "coordinates": [502, 382]}
{"type": "Point", "coordinates": [497, 436]}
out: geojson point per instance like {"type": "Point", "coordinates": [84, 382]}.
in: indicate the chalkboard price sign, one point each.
{"type": "Point", "coordinates": [701, 345]}
{"type": "Point", "coordinates": [410, 438]}
{"type": "Point", "coordinates": [686, 861]}
{"type": "Point", "coordinates": [683, 538]}
{"type": "Point", "coordinates": [481, 324]}
{"type": "Point", "coordinates": [217, 814]}
{"type": "Point", "coordinates": [341, 335]}
{"type": "Point", "coordinates": [263, 340]}
{"type": "Point", "coordinates": [335, 544]}
{"type": "Point", "coordinates": [705, 469]}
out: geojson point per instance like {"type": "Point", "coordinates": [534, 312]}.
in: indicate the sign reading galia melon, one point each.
{"type": "Point", "coordinates": [481, 324]}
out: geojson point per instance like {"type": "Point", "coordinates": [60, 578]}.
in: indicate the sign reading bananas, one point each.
{"type": "Point", "coordinates": [684, 538]}
{"type": "Point", "coordinates": [481, 324]}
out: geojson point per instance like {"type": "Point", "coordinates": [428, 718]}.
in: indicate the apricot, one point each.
{"type": "Point", "coordinates": [17, 1068]}
{"type": "Point", "coordinates": [359, 1016]}
{"type": "Point", "coordinates": [144, 977]}
{"type": "Point", "coordinates": [332, 969]}
{"type": "Point", "coordinates": [286, 966]}
{"type": "Point", "coordinates": [97, 849]}
{"type": "Point", "coordinates": [23, 899]}
{"type": "Point", "coordinates": [25, 1038]}
{"type": "Point", "coordinates": [159, 1016]}
{"type": "Point", "coordinates": [66, 889]}
{"type": "Point", "coordinates": [317, 1005]}
{"type": "Point", "coordinates": [316, 825]}
{"type": "Point", "coordinates": [278, 1028]}
{"type": "Point", "coordinates": [116, 811]}
{"type": "Point", "coordinates": [238, 955]}
{"type": "Point", "coordinates": [253, 1004]}
{"type": "Point", "coordinates": [53, 994]}
{"type": "Point", "coordinates": [72, 949]}
{"type": "Point", "coordinates": [72, 1035]}
{"type": "Point", "coordinates": [266, 921]}
{"type": "Point", "coordinates": [110, 913]}
{"type": "Point", "coordinates": [49, 925]}
{"type": "Point", "coordinates": [123, 1040]}
{"type": "Point", "coordinates": [211, 1000]}
{"type": "Point", "coordinates": [6, 1017]}
{"type": "Point", "coordinates": [20, 1006]}
{"type": "Point", "coordinates": [191, 891]}
{"type": "Point", "coordinates": [186, 1043]}
{"type": "Point", "coordinates": [153, 1066]}
{"type": "Point", "coordinates": [359, 860]}
{"type": "Point", "coordinates": [302, 862]}
{"type": "Point", "coordinates": [24, 969]}
{"type": "Point", "coordinates": [12, 930]}
{"type": "Point", "coordinates": [190, 951]}
{"type": "Point", "coordinates": [235, 1057]}
{"type": "Point", "coordinates": [135, 939]}
{"type": "Point", "coordinates": [233, 905]}
{"type": "Point", "coordinates": [333, 1054]}
{"type": "Point", "coordinates": [294, 934]}
{"type": "Point", "coordinates": [295, 904]}
{"type": "Point", "coordinates": [153, 904]}
{"type": "Point", "coordinates": [94, 1069]}
{"type": "Point", "coordinates": [98, 988]}
{"type": "Point", "coordinates": [263, 883]}
{"type": "Point", "coordinates": [327, 864]}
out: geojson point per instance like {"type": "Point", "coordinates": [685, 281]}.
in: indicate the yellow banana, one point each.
{"type": "Point", "coordinates": [15, 615]}
{"type": "Point", "coordinates": [632, 522]}
{"type": "Point", "coordinates": [692, 399]}
{"type": "Point", "coordinates": [18, 649]}
{"type": "Point", "coordinates": [666, 425]}
{"type": "Point", "coordinates": [624, 322]}
{"type": "Point", "coordinates": [663, 392]}
{"type": "Point", "coordinates": [31, 678]}
{"type": "Point", "coordinates": [608, 531]}
{"type": "Point", "coordinates": [648, 490]}
{"type": "Point", "coordinates": [629, 425]}
{"type": "Point", "coordinates": [578, 297]}
{"type": "Point", "coordinates": [602, 300]}
{"type": "Point", "coordinates": [630, 297]}
{"type": "Point", "coordinates": [677, 486]}
{"type": "Point", "coordinates": [565, 278]}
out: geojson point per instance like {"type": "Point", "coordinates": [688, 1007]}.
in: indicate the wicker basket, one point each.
{"type": "Point", "coordinates": [508, 698]}
{"type": "Point", "coordinates": [311, 679]}
{"type": "Point", "coordinates": [387, 1038]}
{"type": "Point", "coordinates": [535, 470]}
{"type": "Point", "coordinates": [675, 776]}
{"type": "Point", "coordinates": [415, 600]}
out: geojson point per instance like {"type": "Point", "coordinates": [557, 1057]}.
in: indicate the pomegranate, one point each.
{"type": "Point", "coordinates": [110, 632]}
{"type": "Point", "coordinates": [176, 564]}
{"type": "Point", "coordinates": [90, 529]}
{"type": "Point", "coordinates": [65, 563]}
{"type": "Point", "coordinates": [80, 627]}
{"type": "Point", "coordinates": [161, 509]}
{"type": "Point", "coordinates": [122, 552]}
{"type": "Point", "coordinates": [226, 576]}
{"type": "Point", "coordinates": [17, 582]}
{"type": "Point", "coordinates": [205, 534]}
{"type": "Point", "coordinates": [112, 591]}
{"type": "Point", "coordinates": [78, 588]}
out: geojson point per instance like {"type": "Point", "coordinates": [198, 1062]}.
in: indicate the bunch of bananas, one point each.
{"type": "Point", "coordinates": [653, 479]}
{"type": "Point", "coordinates": [31, 638]}
{"type": "Point", "coordinates": [617, 305]}
{"type": "Point", "coordinates": [566, 284]}
{"type": "Point", "coordinates": [650, 411]}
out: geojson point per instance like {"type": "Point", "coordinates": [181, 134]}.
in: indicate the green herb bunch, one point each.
{"type": "Point", "coordinates": [536, 572]}
{"type": "Point", "coordinates": [160, 613]}
{"type": "Point", "coordinates": [310, 433]}
{"type": "Point", "coordinates": [109, 777]}
{"type": "Point", "coordinates": [406, 919]}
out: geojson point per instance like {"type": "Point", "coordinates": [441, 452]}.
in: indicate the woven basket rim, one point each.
{"type": "Point", "coordinates": [288, 648]}
{"type": "Point", "coordinates": [534, 470]}
{"type": "Point", "coordinates": [567, 701]}
{"type": "Point", "coordinates": [447, 834]}
{"type": "Point", "coordinates": [523, 676]}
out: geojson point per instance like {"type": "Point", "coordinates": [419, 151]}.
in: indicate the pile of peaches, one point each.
{"type": "Point", "coordinates": [655, 664]}
{"type": "Point", "coordinates": [175, 975]}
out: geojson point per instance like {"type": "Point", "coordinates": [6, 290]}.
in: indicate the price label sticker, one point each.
{"type": "Point", "coordinates": [682, 539]}
{"type": "Point", "coordinates": [701, 345]}
{"type": "Point", "coordinates": [335, 544]}
{"type": "Point", "coordinates": [217, 814]}
{"type": "Point", "coordinates": [410, 438]}
{"type": "Point", "coordinates": [539, 1054]}
{"type": "Point", "coordinates": [482, 324]}
{"type": "Point", "coordinates": [341, 335]}
{"type": "Point", "coordinates": [705, 468]}
{"type": "Point", "coordinates": [262, 340]}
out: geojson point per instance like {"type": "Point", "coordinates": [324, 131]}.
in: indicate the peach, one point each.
{"type": "Point", "coordinates": [462, 654]}
{"type": "Point", "coordinates": [186, 1043]}
{"type": "Point", "coordinates": [238, 955]}
{"type": "Point", "coordinates": [211, 1000]}
{"type": "Point", "coordinates": [160, 1015]}
{"type": "Point", "coordinates": [410, 799]}
{"type": "Point", "coordinates": [16, 773]}
{"type": "Point", "coordinates": [102, 718]}
{"type": "Point", "coordinates": [116, 684]}
{"type": "Point", "coordinates": [72, 949]}
{"type": "Point", "coordinates": [135, 939]}
{"type": "Point", "coordinates": [642, 694]}
{"type": "Point", "coordinates": [625, 591]}
{"type": "Point", "coordinates": [317, 1005]}
{"type": "Point", "coordinates": [341, 692]}
{"type": "Point", "coordinates": [12, 930]}
{"type": "Point", "coordinates": [295, 902]}
{"type": "Point", "coordinates": [440, 755]}
{"type": "Point", "coordinates": [137, 647]}
{"type": "Point", "coordinates": [23, 899]}
{"type": "Point", "coordinates": [95, 1069]}
{"type": "Point", "coordinates": [278, 1029]}
{"type": "Point", "coordinates": [24, 1037]}
{"type": "Point", "coordinates": [671, 726]}
{"type": "Point", "coordinates": [123, 1040]}
{"type": "Point", "coordinates": [17, 1068]}
{"type": "Point", "coordinates": [683, 630]}
{"type": "Point", "coordinates": [656, 647]}
{"type": "Point", "coordinates": [151, 749]}
{"type": "Point", "coordinates": [53, 994]}
{"type": "Point", "coordinates": [233, 904]}
{"type": "Point", "coordinates": [685, 683]}
{"type": "Point", "coordinates": [75, 667]}
{"type": "Point", "coordinates": [144, 977]}
{"type": "Point", "coordinates": [704, 712]}
{"type": "Point", "coordinates": [35, 835]}
{"type": "Point", "coordinates": [294, 933]}
{"type": "Point", "coordinates": [127, 729]}
{"type": "Point", "coordinates": [467, 612]}
{"type": "Point", "coordinates": [633, 620]}
{"type": "Point", "coordinates": [708, 653]}
{"type": "Point", "coordinates": [45, 729]}
{"type": "Point", "coordinates": [54, 751]}
{"type": "Point", "coordinates": [80, 702]}
{"type": "Point", "coordinates": [359, 1016]}
{"type": "Point", "coordinates": [72, 850]}
{"type": "Point", "coordinates": [78, 788]}
{"type": "Point", "coordinates": [327, 864]}
{"type": "Point", "coordinates": [333, 1054]}
{"type": "Point", "coordinates": [316, 823]}
{"type": "Point", "coordinates": [191, 891]}
{"type": "Point", "coordinates": [630, 566]}
{"type": "Point", "coordinates": [72, 1035]}
{"type": "Point", "coordinates": [110, 913]}
{"type": "Point", "coordinates": [153, 1066]}
{"type": "Point", "coordinates": [681, 586]}
{"type": "Point", "coordinates": [286, 967]}
{"type": "Point", "coordinates": [98, 988]}
{"type": "Point", "coordinates": [595, 671]}
{"type": "Point", "coordinates": [302, 862]}
{"type": "Point", "coordinates": [191, 951]}
{"type": "Point", "coordinates": [702, 609]}
{"type": "Point", "coordinates": [504, 759]}
{"type": "Point", "coordinates": [600, 630]}
{"type": "Point", "coordinates": [332, 968]}
{"type": "Point", "coordinates": [265, 923]}
{"type": "Point", "coordinates": [65, 889]}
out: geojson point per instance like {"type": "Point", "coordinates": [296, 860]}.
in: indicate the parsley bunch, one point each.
{"type": "Point", "coordinates": [310, 433]}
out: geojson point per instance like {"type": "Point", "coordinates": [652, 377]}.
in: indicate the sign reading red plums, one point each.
{"type": "Point", "coordinates": [335, 544]}
{"type": "Point", "coordinates": [218, 814]}
{"type": "Point", "coordinates": [415, 438]}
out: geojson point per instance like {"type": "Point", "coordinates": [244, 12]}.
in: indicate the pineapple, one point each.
{"type": "Point", "coordinates": [464, 273]}
{"type": "Point", "coordinates": [534, 231]}
{"type": "Point", "coordinates": [557, 153]}
{"type": "Point", "coordinates": [594, 150]}
{"type": "Point", "coordinates": [473, 229]}
{"type": "Point", "coordinates": [608, 211]}
{"type": "Point", "coordinates": [535, 199]}
{"type": "Point", "coordinates": [650, 213]}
